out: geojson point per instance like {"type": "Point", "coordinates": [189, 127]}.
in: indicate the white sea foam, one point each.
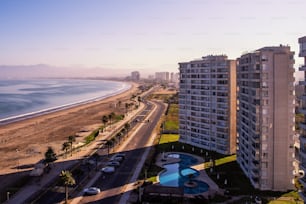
{"type": "Point", "coordinates": [106, 94]}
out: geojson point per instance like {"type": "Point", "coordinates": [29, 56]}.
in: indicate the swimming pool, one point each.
{"type": "Point", "coordinates": [177, 174]}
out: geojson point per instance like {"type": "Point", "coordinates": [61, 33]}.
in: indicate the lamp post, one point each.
{"type": "Point", "coordinates": [8, 195]}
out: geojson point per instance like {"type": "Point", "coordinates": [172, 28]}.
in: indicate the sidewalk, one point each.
{"type": "Point", "coordinates": [66, 163]}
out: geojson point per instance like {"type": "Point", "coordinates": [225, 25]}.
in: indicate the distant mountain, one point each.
{"type": "Point", "coordinates": [43, 71]}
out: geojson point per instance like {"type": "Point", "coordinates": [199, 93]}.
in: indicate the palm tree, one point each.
{"type": "Point", "coordinates": [71, 139]}
{"type": "Point", "coordinates": [119, 103]}
{"type": "Point", "coordinates": [68, 180]}
{"type": "Point", "coordinates": [65, 147]}
{"type": "Point", "coordinates": [139, 100]}
{"type": "Point", "coordinates": [127, 127]}
{"type": "Point", "coordinates": [110, 117]}
{"type": "Point", "coordinates": [127, 105]}
{"type": "Point", "coordinates": [119, 134]}
{"type": "Point", "coordinates": [104, 120]}
{"type": "Point", "coordinates": [50, 156]}
{"type": "Point", "coordinates": [96, 158]}
{"type": "Point", "coordinates": [109, 143]}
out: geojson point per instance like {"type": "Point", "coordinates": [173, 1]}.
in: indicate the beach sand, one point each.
{"type": "Point", "coordinates": [24, 142]}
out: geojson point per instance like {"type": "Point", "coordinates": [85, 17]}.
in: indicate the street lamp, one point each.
{"type": "Point", "coordinates": [17, 151]}
{"type": "Point", "coordinates": [7, 195]}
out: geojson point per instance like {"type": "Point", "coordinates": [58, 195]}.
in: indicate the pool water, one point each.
{"type": "Point", "coordinates": [177, 174]}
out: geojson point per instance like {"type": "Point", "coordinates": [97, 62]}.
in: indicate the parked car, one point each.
{"type": "Point", "coordinates": [91, 191]}
{"type": "Point", "coordinates": [108, 169]}
{"type": "Point", "coordinates": [113, 163]}
{"type": "Point", "coordinates": [117, 158]}
{"type": "Point", "coordinates": [258, 200]}
{"type": "Point", "coordinates": [120, 155]}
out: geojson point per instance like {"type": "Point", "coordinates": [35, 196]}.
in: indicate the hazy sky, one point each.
{"type": "Point", "coordinates": [143, 34]}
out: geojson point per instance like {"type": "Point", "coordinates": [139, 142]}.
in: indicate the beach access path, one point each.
{"type": "Point", "coordinates": [31, 189]}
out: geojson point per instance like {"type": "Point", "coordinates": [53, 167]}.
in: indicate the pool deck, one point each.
{"type": "Point", "coordinates": [213, 190]}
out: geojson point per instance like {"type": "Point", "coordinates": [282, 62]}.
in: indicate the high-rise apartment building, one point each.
{"type": "Point", "coordinates": [162, 76]}
{"type": "Point", "coordinates": [207, 103]}
{"type": "Point", "coordinates": [265, 122]}
{"type": "Point", "coordinates": [135, 76]}
{"type": "Point", "coordinates": [302, 42]}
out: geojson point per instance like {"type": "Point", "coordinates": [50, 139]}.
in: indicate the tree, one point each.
{"type": "Point", "coordinates": [109, 143]}
{"type": "Point", "coordinates": [110, 117]}
{"type": "Point", "coordinates": [50, 155]}
{"type": "Point", "coordinates": [127, 127]}
{"type": "Point", "coordinates": [119, 134]}
{"type": "Point", "coordinates": [65, 147]}
{"type": "Point", "coordinates": [71, 139]}
{"type": "Point", "coordinates": [96, 158]}
{"type": "Point", "coordinates": [104, 120]}
{"type": "Point", "coordinates": [139, 100]}
{"type": "Point", "coordinates": [127, 105]}
{"type": "Point", "coordinates": [68, 180]}
{"type": "Point", "coordinates": [119, 103]}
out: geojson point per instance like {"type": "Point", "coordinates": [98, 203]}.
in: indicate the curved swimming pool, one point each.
{"type": "Point", "coordinates": [177, 174]}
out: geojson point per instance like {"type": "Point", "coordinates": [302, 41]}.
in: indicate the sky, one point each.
{"type": "Point", "coordinates": [147, 35]}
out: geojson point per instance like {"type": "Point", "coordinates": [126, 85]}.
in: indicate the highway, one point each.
{"type": "Point", "coordinates": [112, 185]}
{"type": "Point", "coordinates": [141, 130]}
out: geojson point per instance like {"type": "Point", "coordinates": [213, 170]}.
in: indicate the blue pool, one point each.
{"type": "Point", "coordinates": [177, 174]}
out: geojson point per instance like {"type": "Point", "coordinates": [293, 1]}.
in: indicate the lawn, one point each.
{"type": "Point", "coordinates": [172, 118]}
{"type": "Point", "coordinates": [169, 138]}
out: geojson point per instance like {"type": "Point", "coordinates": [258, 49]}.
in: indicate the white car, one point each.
{"type": "Point", "coordinates": [92, 191]}
{"type": "Point", "coordinates": [108, 169]}
{"type": "Point", "coordinates": [120, 155]}
{"type": "Point", "coordinates": [113, 163]}
{"type": "Point", "coordinates": [116, 158]}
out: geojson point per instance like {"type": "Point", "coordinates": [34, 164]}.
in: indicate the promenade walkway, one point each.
{"type": "Point", "coordinates": [33, 188]}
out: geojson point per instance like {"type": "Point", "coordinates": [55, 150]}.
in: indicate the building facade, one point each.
{"type": "Point", "coordinates": [135, 76]}
{"type": "Point", "coordinates": [207, 103]}
{"type": "Point", "coordinates": [162, 76]}
{"type": "Point", "coordinates": [265, 118]}
{"type": "Point", "coordinates": [302, 53]}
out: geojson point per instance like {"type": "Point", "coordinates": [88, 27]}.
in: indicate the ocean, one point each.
{"type": "Point", "coordinates": [25, 98]}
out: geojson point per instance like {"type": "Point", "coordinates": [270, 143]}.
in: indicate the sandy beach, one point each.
{"type": "Point", "coordinates": [25, 142]}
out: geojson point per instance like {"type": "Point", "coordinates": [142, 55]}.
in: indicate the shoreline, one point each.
{"type": "Point", "coordinates": [31, 136]}
{"type": "Point", "coordinates": [25, 116]}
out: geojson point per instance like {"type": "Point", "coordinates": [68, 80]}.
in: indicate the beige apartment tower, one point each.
{"type": "Point", "coordinates": [207, 103]}
{"type": "Point", "coordinates": [265, 118]}
{"type": "Point", "coordinates": [302, 53]}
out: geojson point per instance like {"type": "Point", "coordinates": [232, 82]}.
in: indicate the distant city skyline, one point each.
{"type": "Point", "coordinates": [143, 35]}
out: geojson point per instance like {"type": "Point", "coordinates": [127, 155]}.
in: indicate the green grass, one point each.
{"type": "Point", "coordinates": [225, 160]}
{"type": "Point", "coordinates": [92, 136]}
{"type": "Point", "coordinates": [169, 138]}
{"type": "Point", "coordinates": [172, 118]}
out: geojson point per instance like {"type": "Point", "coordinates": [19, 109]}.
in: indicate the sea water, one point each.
{"type": "Point", "coordinates": [25, 98]}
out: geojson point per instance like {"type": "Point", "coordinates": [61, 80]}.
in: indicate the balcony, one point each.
{"type": "Point", "coordinates": [302, 110]}
{"type": "Point", "coordinates": [303, 181]}
{"type": "Point", "coordinates": [303, 166]}
{"type": "Point", "coordinates": [303, 83]}
{"type": "Point", "coordinates": [302, 68]}
{"type": "Point", "coordinates": [303, 125]}
{"type": "Point", "coordinates": [303, 97]}
{"type": "Point", "coordinates": [302, 53]}
{"type": "Point", "coordinates": [303, 195]}
{"type": "Point", "coordinates": [302, 139]}
{"type": "Point", "coordinates": [303, 153]}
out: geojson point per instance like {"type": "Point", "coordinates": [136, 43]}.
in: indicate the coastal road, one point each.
{"type": "Point", "coordinates": [112, 185]}
{"type": "Point", "coordinates": [133, 152]}
{"type": "Point", "coordinates": [55, 193]}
